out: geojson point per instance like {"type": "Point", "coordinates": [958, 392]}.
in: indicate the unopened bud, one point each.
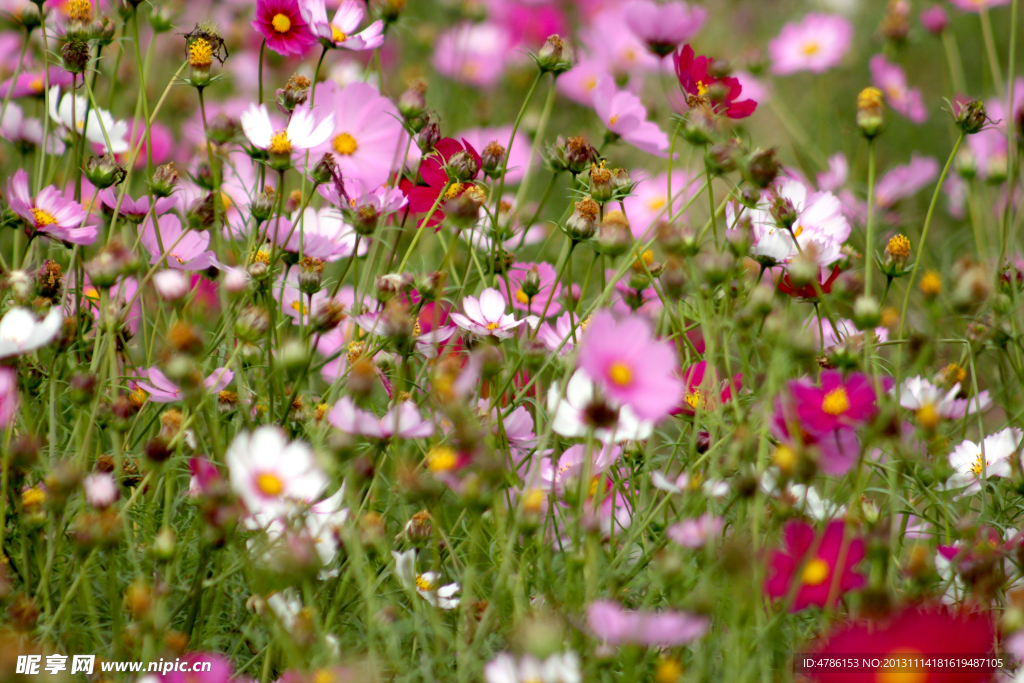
{"type": "Point", "coordinates": [870, 112]}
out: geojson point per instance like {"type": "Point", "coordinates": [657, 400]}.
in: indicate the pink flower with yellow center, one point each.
{"type": "Point", "coordinates": [816, 43]}
{"type": "Point", "coordinates": [301, 132]}
{"type": "Point", "coordinates": [838, 402]}
{"type": "Point", "coordinates": [51, 212]}
{"type": "Point", "coordinates": [270, 474]}
{"type": "Point", "coordinates": [630, 365]}
{"type": "Point", "coordinates": [486, 316]}
{"type": "Point", "coordinates": [342, 32]}
{"type": "Point", "coordinates": [820, 568]}
{"type": "Point", "coordinates": [281, 23]}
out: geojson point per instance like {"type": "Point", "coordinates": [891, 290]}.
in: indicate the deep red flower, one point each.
{"type": "Point", "coordinates": [808, 291]}
{"type": "Point", "coordinates": [913, 632]}
{"type": "Point", "coordinates": [814, 583]}
{"type": "Point", "coordinates": [696, 82]}
{"type": "Point", "coordinates": [422, 198]}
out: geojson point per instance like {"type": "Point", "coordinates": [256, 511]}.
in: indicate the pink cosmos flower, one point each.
{"type": "Point", "coordinates": [554, 473]}
{"type": "Point", "coordinates": [133, 210]}
{"type": "Point", "coordinates": [100, 490]}
{"type": "Point", "coordinates": [619, 51]}
{"type": "Point", "coordinates": [617, 626]}
{"type": "Point", "coordinates": [697, 390]}
{"type": "Point", "coordinates": [815, 579]}
{"type": "Point", "coordinates": [695, 81]}
{"type": "Point", "coordinates": [624, 114]}
{"type": "Point", "coordinates": [534, 304]}
{"type": "Point", "coordinates": [403, 420]}
{"type": "Point", "coordinates": [341, 33]}
{"type": "Point", "coordinates": [367, 138]}
{"type": "Point", "coordinates": [518, 154]}
{"type": "Point", "coordinates": [649, 201]}
{"type": "Point", "coordinates": [664, 27]}
{"type": "Point", "coordinates": [816, 44]}
{"type": "Point", "coordinates": [163, 390]}
{"type": "Point", "coordinates": [52, 213]}
{"type": "Point", "coordinates": [843, 332]}
{"type": "Point", "coordinates": [26, 133]}
{"type": "Point", "coordinates": [32, 83]}
{"type": "Point", "coordinates": [934, 19]}
{"type": "Point", "coordinates": [474, 54]}
{"type": "Point", "coordinates": [300, 133]}
{"type": "Point", "coordinates": [578, 83]}
{"type": "Point", "coordinates": [837, 449]}
{"type": "Point", "coordinates": [835, 177]}
{"type": "Point", "coordinates": [528, 22]}
{"type": "Point", "coordinates": [181, 249]}
{"type": "Point", "coordinates": [694, 533]}
{"type": "Point", "coordinates": [904, 181]}
{"type": "Point", "coordinates": [557, 336]}
{"type": "Point", "coordinates": [325, 235]}
{"type": "Point", "coordinates": [486, 316]}
{"type": "Point", "coordinates": [892, 80]}
{"type": "Point", "coordinates": [8, 395]}
{"type": "Point", "coordinates": [631, 365]}
{"type": "Point", "coordinates": [281, 23]}
{"type": "Point", "coordinates": [976, 6]}
{"type": "Point", "coordinates": [836, 403]}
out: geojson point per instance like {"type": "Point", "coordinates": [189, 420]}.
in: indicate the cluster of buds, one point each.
{"type": "Point", "coordinates": [609, 185]}
{"type": "Point", "coordinates": [574, 155]}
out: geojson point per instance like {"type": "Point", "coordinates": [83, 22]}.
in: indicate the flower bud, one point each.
{"type": "Point", "coordinates": [463, 206]}
{"type": "Point", "coordinates": [364, 219]}
{"type": "Point", "coordinates": [262, 207]}
{"type": "Point", "coordinates": [894, 258]}
{"type": "Point", "coordinates": [29, 17]}
{"type": "Point", "coordinates": [163, 181]}
{"type": "Point", "coordinates": [866, 313]}
{"type": "Point", "coordinates": [762, 168]}
{"type": "Point", "coordinates": [721, 157]}
{"type": "Point", "coordinates": [971, 117]}
{"type": "Point", "coordinates": [869, 112]}
{"type": "Point", "coordinates": [677, 239]}
{"type": "Point", "coordinates": [493, 159]}
{"type": "Point", "coordinates": [112, 261]}
{"type": "Point", "coordinates": [412, 103]}
{"type": "Point", "coordinates": [895, 25]}
{"type": "Point", "coordinates": [161, 19]}
{"type": "Point", "coordinates": [252, 324]}
{"type": "Point", "coordinates": [783, 211]}
{"type": "Point", "coordinates": [462, 166]}
{"type": "Point", "coordinates": [75, 55]}
{"type": "Point", "coordinates": [102, 31]}
{"type": "Point", "coordinates": [171, 284]}
{"type": "Point", "coordinates": [294, 93]}
{"type": "Point", "coordinates": [201, 212]}
{"type": "Point", "coordinates": [934, 19]}
{"type": "Point", "coordinates": [602, 186]}
{"type": "Point", "coordinates": [582, 224]}
{"type": "Point", "coordinates": [574, 155]}
{"type": "Point", "coordinates": [429, 136]}
{"type": "Point", "coordinates": [554, 56]}
{"type": "Point", "coordinates": [294, 356]}
{"type": "Point", "coordinates": [613, 235]}
{"type": "Point", "coordinates": [235, 280]}
{"type": "Point", "coordinates": [389, 10]}
{"type": "Point", "coordinates": [311, 272]}
{"type": "Point", "coordinates": [104, 171]}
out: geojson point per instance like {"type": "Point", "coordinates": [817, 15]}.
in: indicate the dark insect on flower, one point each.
{"type": "Point", "coordinates": [205, 36]}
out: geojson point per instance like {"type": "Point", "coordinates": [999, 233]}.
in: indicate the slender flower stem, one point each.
{"type": "Point", "coordinates": [869, 243]}
{"type": "Point", "coordinates": [990, 50]}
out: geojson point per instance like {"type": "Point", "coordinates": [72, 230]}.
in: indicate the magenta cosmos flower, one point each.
{"type": "Point", "coordinates": [52, 213]}
{"type": "Point", "coordinates": [836, 403]}
{"type": "Point", "coordinates": [892, 80]}
{"type": "Point", "coordinates": [839, 551]}
{"type": "Point", "coordinates": [617, 626]}
{"type": "Point", "coordinates": [977, 5]}
{"type": "Point", "coordinates": [181, 249]}
{"type": "Point", "coordinates": [403, 420]}
{"type": "Point", "coordinates": [367, 136]}
{"type": "Point", "coordinates": [534, 303]}
{"type": "Point", "coordinates": [8, 395]}
{"type": "Point", "coordinates": [486, 316]}
{"type": "Point", "coordinates": [906, 180]}
{"type": "Point", "coordinates": [624, 114]}
{"type": "Point", "coordinates": [816, 44]}
{"type": "Point", "coordinates": [696, 82]}
{"type": "Point", "coordinates": [630, 365]}
{"type": "Point", "coordinates": [281, 23]}
{"type": "Point", "coordinates": [163, 390]}
{"type": "Point", "coordinates": [664, 27]}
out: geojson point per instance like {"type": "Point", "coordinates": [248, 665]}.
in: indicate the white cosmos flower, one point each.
{"type": "Point", "coordinates": [486, 316]}
{"type": "Point", "coordinates": [917, 393]}
{"type": "Point", "coordinates": [300, 132]}
{"type": "Point", "coordinates": [426, 584]}
{"type": "Point", "coordinates": [69, 111]}
{"type": "Point", "coordinates": [973, 462]}
{"type": "Point", "coordinates": [21, 332]}
{"type": "Point", "coordinates": [570, 413]}
{"type": "Point", "coordinates": [270, 474]}
{"type": "Point", "coordinates": [506, 668]}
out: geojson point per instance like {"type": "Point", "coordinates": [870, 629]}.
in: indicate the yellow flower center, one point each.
{"type": "Point", "coordinates": [43, 218]}
{"type": "Point", "coordinates": [91, 292]}
{"type": "Point", "coordinates": [281, 23]}
{"type": "Point", "coordinates": [899, 246]}
{"type": "Point", "coordinates": [454, 191]}
{"type": "Point", "coordinates": [815, 572]}
{"type": "Point", "coordinates": [669, 670]}
{"type": "Point", "coordinates": [533, 500]}
{"type": "Point", "coordinates": [693, 398]}
{"type": "Point", "coordinates": [613, 119]}
{"type": "Point", "coordinates": [493, 326]}
{"type": "Point", "coordinates": [200, 53]}
{"type": "Point", "coordinates": [589, 83]}
{"type": "Point", "coordinates": [702, 89]}
{"type": "Point", "coordinates": [620, 373]}
{"type": "Point", "coordinates": [931, 283]}
{"type": "Point", "coordinates": [323, 676]}
{"type": "Point", "coordinates": [79, 10]}
{"type": "Point", "coordinates": [32, 497]}
{"type": "Point", "coordinates": [300, 307]}
{"type": "Point", "coordinates": [269, 484]}
{"type": "Point", "coordinates": [423, 583]}
{"type": "Point", "coordinates": [441, 459]}
{"type": "Point", "coordinates": [927, 416]}
{"type": "Point", "coordinates": [656, 203]}
{"type": "Point", "coordinates": [980, 465]}
{"type": "Point", "coordinates": [337, 35]}
{"type": "Point", "coordinates": [810, 48]}
{"type": "Point", "coordinates": [37, 84]}
{"type": "Point", "coordinates": [522, 298]}
{"type": "Point", "coordinates": [279, 143]}
{"type": "Point", "coordinates": [836, 402]}
{"type": "Point", "coordinates": [345, 144]}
